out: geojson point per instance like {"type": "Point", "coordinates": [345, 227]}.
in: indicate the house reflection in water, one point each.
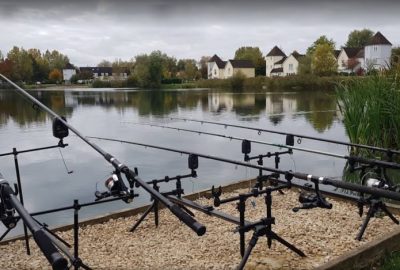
{"type": "Point", "coordinates": [278, 106]}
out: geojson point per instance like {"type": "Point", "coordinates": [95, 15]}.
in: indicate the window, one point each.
{"type": "Point", "coordinates": [215, 72]}
{"type": "Point", "coordinates": [290, 67]}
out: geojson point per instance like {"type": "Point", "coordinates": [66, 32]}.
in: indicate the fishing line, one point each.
{"type": "Point", "coordinates": [65, 164]}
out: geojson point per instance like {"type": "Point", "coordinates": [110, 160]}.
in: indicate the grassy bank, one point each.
{"type": "Point", "coordinates": [371, 111]}
{"type": "Point", "coordinates": [289, 83]}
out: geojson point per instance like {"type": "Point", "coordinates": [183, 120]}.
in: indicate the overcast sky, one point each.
{"type": "Point", "coordinates": [91, 30]}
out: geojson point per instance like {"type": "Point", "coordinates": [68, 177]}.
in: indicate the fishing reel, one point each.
{"type": "Point", "coordinates": [7, 211]}
{"type": "Point", "coordinates": [311, 200]}
{"type": "Point", "coordinates": [116, 188]}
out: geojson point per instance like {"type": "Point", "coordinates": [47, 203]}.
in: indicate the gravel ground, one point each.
{"type": "Point", "coordinates": [320, 233]}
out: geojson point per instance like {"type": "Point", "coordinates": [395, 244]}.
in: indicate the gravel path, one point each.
{"type": "Point", "coordinates": [320, 233]}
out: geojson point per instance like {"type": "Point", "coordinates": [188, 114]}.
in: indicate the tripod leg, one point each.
{"type": "Point", "coordinates": [252, 244]}
{"type": "Point", "coordinates": [384, 209]}
{"type": "Point", "coordinates": [287, 244]}
{"type": "Point", "coordinates": [371, 212]}
{"type": "Point", "coordinates": [155, 204]}
{"type": "Point", "coordinates": [142, 218]}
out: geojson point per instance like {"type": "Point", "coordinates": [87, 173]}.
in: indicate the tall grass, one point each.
{"type": "Point", "coordinates": [371, 111]}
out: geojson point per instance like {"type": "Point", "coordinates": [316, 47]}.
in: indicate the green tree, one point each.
{"type": "Point", "coordinates": [359, 38]}
{"type": "Point", "coordinates": [321, 40]}
{"type": "Point", "coordinates": [56, 59]}
{"type": "Point", "coordinates": [21, 64]}
{"type": "Point", "coordinates": [40, 66]}
{"type": "Point", "coordinates": [204, 67]}
{"type": "Point", "coordinates": [305, 65]}
{"type": "Point", "coordinates": [104, 63]}
{"type": "Point", "coordinates": [323, 61]}
{"type": "Point", "coordinates": [187, 69]}
{"type": "Point", "coordinates": [1, 56]}
{"type": "Point", "coordinates": [253, 54]}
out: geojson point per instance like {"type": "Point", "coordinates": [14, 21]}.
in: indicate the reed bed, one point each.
{"type": "Point", "coordinates": [371, 111]}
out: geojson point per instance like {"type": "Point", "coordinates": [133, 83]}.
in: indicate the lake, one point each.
{"type": "Point", "coordinates": [114, 113]}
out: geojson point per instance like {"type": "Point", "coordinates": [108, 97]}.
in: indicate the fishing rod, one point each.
{"type": "Point", "coordinates": [118, 166]}
{"type": "Point", "coordinates": [288, 174]}
{"type": "Point", "coordinates": [389, 152]}
{"type": "Point", "coordinates": [351, 159]}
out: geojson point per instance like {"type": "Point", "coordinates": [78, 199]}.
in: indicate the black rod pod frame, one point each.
{"type": "Point", "coordinates": [263, 227]}
{"type": "Point", "coordinates": [375, 203]}
{"type": "Point", "coordinates": [10, 203]}
{"type": "Point", "coordinates": [200, 229]}
{"type": "Point", "coordinates": [193, 164]}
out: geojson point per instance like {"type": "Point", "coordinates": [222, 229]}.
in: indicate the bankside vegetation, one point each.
{"type": "Point", "coordinates": [371, 110]}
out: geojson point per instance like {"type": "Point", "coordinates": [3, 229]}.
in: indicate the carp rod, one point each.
{"type": "Point", "coordinates": [288, 174]}
{"type": "Point", "coordinates": [389, 152]}
{"type": "Point", "coordinates": [132, 177]}
{"type": "Point", "coordinates": [351, 159]}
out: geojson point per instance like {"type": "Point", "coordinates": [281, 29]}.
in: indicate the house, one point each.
{"type": "Point", "coordinates": [350, 60]}
{"type": "Point", "coordinates": [273, 62]}
{"type": "Point", "coordinates": [246, 67]}
{"type": "Point", "coordinates": [68, 71]}
{"type": "Point", "coordinates": [278, 64]}
{"type": "Point", "coordinates": [101, 73]}
{"type": "Point", "coordinates": [218, 69]}
{"type": "Point", "coordinates": [377, 52]}
{"type": "Point", "coordinates": [290, 65]}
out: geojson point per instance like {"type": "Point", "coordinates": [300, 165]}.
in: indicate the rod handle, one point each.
{"type": "Point", "coordinates": [51, 253]}
{"type": "Point", "coordinates": [197, 227]}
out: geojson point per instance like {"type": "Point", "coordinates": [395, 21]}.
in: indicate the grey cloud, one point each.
{"type": "Point", "coordinates": [90, 30]}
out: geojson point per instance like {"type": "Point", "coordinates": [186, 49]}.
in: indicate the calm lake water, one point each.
{"type": "Point", "coordinates": [113, 112]}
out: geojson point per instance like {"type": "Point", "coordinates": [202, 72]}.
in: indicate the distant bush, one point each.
{"type": "Point", "coordinates": [110, 84]}
{"type": "Point", "coordinates": [171, 81]}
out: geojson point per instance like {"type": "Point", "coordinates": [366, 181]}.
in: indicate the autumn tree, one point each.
{"type": "Point", "coordinates": [55, 76]}
{"type": "Point", "coordinates": [253, 54]}
{"type": "Point", "coordinates": [321, 40]}
{"type": "Point", "coordinates": [6, 67]}
{"type": "Point", "coordinates": [359, 38]}
{"type": "Point", "coordinates": [323, 61]}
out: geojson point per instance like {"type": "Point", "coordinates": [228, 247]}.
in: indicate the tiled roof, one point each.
{"type": "Point", "coordinates": [297, 55]}
{"type": "Point", "coordinates": [351, 52]}
{"type": "Point", "coordinates": [276, 52]}
{"type": "Point", "coordinates": [277, 70]}
{"type": "Point", "coordinates": [280, 61]}
{"type": "Point", "coordinates": [360, 54]}
{"type": "Point", "coordinates": [336, 53]}
{"type": "Point", "coordinates": [378, 39]}
{"type": "Point", "coordinates": [242, 63]}
{"type": "Point", "coordinates": [218, 61]}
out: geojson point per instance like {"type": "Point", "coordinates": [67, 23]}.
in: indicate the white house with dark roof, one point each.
{"type": "Point", "coordinates": [375, 55]}
{"type": "Point", "coordinates": [273, 62]}
{"type": "Point", "coordinates": [290, 65]}
{"type": "Point", "coordinates": [350, 60]}
{"type": "Point", "coordinates": [377, 52]}
{"type": "Point", "coordinates": [68, 71]}
{"type": "Point", "coordinates": [218, 69]}
{"type": "Point", "coordinates": [278, 64]}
